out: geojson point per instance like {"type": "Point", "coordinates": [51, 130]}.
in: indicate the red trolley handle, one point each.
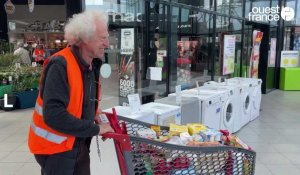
{"type": "Point", "coordinates": [122, 139]}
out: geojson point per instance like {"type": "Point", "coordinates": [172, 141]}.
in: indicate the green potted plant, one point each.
{"type": "Point", "coordinates": [25, 86]}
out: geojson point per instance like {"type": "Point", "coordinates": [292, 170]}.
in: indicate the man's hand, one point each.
{"type": "Point", "coordinates": [101, 118]}
{"type": "Point", "coordinates": [97, 119]}
{"type": "Point", "coordinates": [104, 128]}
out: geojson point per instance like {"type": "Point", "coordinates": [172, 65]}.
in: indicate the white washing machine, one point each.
{"type": "Point", "coordinates": [147, 116]}
{"type": "Point", "coordinates": [246, 100]}
{"type": "Point", "coordinates": [229, 105]}
{"type": "Point", "coordinates": [210, 105]}
{"type": "Point", "coordinates": [236, 100]}
{"type": "Point", "coordinates": [165, 114]}
{"type": "Point", "coordinates": [255, 91]}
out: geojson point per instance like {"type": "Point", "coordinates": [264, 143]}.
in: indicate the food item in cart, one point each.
{"type": "Point", "coordinates": [175, 130]}
{"type": "Point", "coordinates": [198, 138]}
{"type": "Point", "coordinates": [146, 133]}
{"type": "Point", "coordinates": [163, 138]}
{"type": "Point", "coordinates": [195, 128]}
{"type": "Point", "coordinates": [237, 142]}
{"type": "Point", "coordinates": [185, 137]}
{"type": "Point", "coordinates": [156, 128]}
{"type": "Point", "coordinates": [175, 140]}
{"type": "Point", "coordinates": [211, 135]}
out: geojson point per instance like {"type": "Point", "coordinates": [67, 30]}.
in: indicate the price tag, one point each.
{"type": "Point", "coordinates": [178, 94]}
{"type": "Point", "coordinates": [134, 103]}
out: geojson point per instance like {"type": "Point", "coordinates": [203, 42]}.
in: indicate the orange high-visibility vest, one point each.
{"type": "Point", "coordinates": [44, 140]}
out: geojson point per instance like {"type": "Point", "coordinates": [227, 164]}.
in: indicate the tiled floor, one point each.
{"type": "Point", "coordinates": [274, 136]}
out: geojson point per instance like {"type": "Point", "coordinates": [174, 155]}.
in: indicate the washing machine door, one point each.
{"type": "Point", "coordinates": [256, 98]}
{"type": "Point", "coordinates": [246, 103]}
{"type": "Point", "coordinates": [228, 115]}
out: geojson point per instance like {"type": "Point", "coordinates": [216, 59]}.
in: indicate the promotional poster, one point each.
{"type": "Point", "coordinates": [254, 61]}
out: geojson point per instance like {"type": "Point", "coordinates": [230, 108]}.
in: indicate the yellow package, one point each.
{"type": "Point", "coordinates": [175, 130]}
{"type": "Point", "coordinates": [196, 128]}
{"type": "Point", "coordinates": [156, 128]}
{"type": "Point", "coordinates": [163, 138]}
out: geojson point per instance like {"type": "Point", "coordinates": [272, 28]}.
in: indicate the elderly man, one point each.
{"type": "Point", "coordinates": [23, 54]}
{"type": "Point", "coordinates": [66, 112]}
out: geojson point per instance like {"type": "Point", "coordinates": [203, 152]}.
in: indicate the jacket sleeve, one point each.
{"type": "Point", "coordinates": [55, 94]}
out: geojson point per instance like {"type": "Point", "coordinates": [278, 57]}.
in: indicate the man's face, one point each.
{"type": "Point", "coordinates": [99, 42]}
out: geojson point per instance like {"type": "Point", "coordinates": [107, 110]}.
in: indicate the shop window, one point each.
{"type": "Point", "coordinates": [126, 53]}
{"type": "Point", "coordinates": [236, 8]}
{"type": "Point", "coordinates": [190, 47]}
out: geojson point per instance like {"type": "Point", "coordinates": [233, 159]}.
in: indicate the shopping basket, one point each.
{"type": "Point", "coordinates": [141, 156]}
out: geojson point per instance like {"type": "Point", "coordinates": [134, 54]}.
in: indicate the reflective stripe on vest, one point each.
{"type": "Point", "coordinates": [47, 135]}
{"type": "Point", "coordinates": [39, 109]}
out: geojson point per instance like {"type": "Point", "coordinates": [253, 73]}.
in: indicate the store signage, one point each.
{"type": "Point", "coordinates": [254, 61]}
{"type": "Point", "coordinates": [289, 58]}
{"type": "Point", "coordinates": [134, 103]}
{"type": "Point", "coordinates": [228, 54]}
{"type": "Point", "coordinates": [124, 17]}
{"type": "Point", "coordinates": [268, 14]}
{"type": "Point", "coordinates": [6, 105]}
{"type": "Point", "coordinates": [127, 41]}
{"type": "Point", "coordinates": [272, 58]}
{"type": "Point", "coordinates": [9, 7]}
{"type": "Point", "coordinates": [31, 5]}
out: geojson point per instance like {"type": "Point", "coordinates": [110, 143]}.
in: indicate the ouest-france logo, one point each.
{"type": "Point", "coordinates": [271, 13]}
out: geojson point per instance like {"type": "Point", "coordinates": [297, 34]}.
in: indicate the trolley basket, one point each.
{"type": "Point", "coordinates": [141, 156]}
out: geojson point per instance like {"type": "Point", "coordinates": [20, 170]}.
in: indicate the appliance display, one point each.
{"type": "Point", "coordinates": [210, 105]}
{"type": "Point", "coordinates": [255, 91]}
{"type": "Point", "coordinates": [165, 114]}
{"type": "Point", "coordinates": [190, 111]}
{"type": "Point", "coordinates": [147, 116]}
{"type": "Point", "coordinates": [246, 100]}
{"type": "Point", "coordinates": [231, 105]}
{"type": "Point", "coordinates": [236, 100]}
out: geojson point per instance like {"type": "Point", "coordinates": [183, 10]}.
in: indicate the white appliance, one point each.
{"type": "Point", "coordinates": [255, 91]}
{"type": "Point", "coordinates": [165, 114]}
{"type": "Point", "coordinates": [210, 105]}
{"type": "Point", "coordinates": [229, 105]}
{"type": "Point", "coordinates": [246, 100]}
{"type": "Point", "coordinates": [236, 100]}
{"type": "Point", "coordinates": [147, 116]}
{"type": "Point", "coordinates": [190, 111]}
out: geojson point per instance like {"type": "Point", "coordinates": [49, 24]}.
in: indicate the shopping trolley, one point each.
{"type": "Point", "coordinates": [141, 156]}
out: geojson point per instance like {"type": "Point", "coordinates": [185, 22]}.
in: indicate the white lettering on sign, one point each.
{"type": "Point", "coordinates": [6, 105]}
{"type": "Point", "coordinates": [124, 17]}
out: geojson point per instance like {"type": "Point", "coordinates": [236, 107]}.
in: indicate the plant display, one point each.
{"type": "Point", "coordinates": [7, 60]}
{"type": "Point", "coordinates": [26, 78]}
{"type": "Point", "coordinates": [21, 79]}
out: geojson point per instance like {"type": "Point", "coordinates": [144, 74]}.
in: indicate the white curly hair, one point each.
{"type": "Point", "coordinates": [82, 26]}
